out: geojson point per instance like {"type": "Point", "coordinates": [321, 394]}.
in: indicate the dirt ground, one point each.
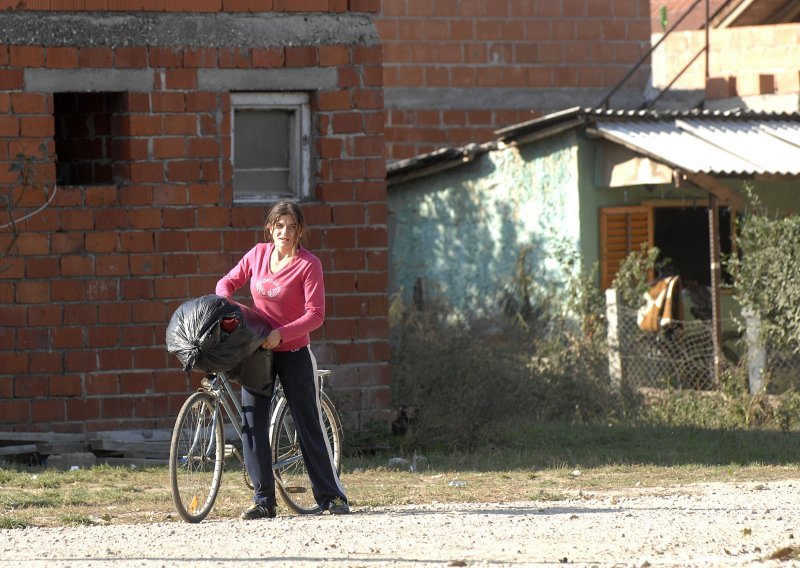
{"type": "Point", "coordinates": [719, 524]}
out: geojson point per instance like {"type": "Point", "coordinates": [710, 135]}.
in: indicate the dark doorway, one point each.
{"type": "Point", "coordinates": [681, 234]}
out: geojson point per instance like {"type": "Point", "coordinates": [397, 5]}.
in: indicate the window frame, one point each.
{"type": "Point", "coordinates": [300, 145]}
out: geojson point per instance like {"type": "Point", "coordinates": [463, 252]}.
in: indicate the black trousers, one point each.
{"type": "Point", "coordinates": [297, 371]}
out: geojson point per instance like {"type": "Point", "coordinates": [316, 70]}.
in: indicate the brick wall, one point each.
{"type": "Point", "coordinates": [89, 286]}
{"type": "Point", "coordinates": [743, 61]}
{"type": "Point", "coordinates": [454, 71]}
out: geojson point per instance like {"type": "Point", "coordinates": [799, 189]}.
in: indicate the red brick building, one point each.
{"type": "Point", "coordinates": [457, 70]}
{"type": "Point", "coordinates": [150, 114]}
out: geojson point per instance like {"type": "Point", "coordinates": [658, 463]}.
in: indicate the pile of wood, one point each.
{"type": "Point", "coordinates": [137, 448]}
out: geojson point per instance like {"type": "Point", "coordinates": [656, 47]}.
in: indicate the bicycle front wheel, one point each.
{"type": "Point", "coordinates": [196, 455]}
{"type": "Point", "coordinates": [291, 477]}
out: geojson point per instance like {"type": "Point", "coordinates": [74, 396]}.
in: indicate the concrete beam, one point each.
{"type": "Point", "coordinates": [543, 100]}
{"type": "Point", "coordinates": [88, 80]}
{"type": "Point", "coordinates": [294, 79]}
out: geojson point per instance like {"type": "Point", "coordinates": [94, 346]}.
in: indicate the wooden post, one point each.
{"type": "Point", "coordinates": [708, 47]}
{"type": "Point", "coordinates": [716, 272]}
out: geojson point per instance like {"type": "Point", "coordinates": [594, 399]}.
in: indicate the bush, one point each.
{"type": "Point", "coordinates": [730, 407]}
{"type": "Point", "coordinates": [543, 358]}
{"type": "Point", "coordinates": [634, 274]}
{"type": "Point", "coordinates": [766, 274]}
{"type": "Point", "coordinates": [460, 383]}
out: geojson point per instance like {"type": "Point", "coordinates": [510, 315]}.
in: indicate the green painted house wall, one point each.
{"type": "Point", "coordinates": [459, 233]}
{"type": "Point", "coordinates": [462, 231]}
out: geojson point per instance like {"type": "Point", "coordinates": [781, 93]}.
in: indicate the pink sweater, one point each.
{"type": "Point", "coordinates": [292, 300]}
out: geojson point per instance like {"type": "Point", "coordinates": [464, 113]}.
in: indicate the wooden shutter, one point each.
{"type": "Point", "coordinates": [622, 230]}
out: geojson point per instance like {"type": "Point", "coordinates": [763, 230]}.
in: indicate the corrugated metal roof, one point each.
{"type": "Point", "coordinates": [736, 143]}
{"type": "Point", "coordinates": [788, 132]}
{"type": "Point", "coordinates": [713, 146]}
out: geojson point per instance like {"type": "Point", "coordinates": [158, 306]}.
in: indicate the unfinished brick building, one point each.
{"type": "Point", "coordinates": [142, 116]}
{"type": "Point", "coordinates": [457, 70]}
{"type": "Point", "coordinates": [753, 58]}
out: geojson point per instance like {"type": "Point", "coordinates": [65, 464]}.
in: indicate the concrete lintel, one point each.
{"type": "Point", "coordinates": [88, 80]}
{"type": "Point", "coordinates": [296, 79]}
{"type": "Point", "coordinates": [542, 100]}
{"type": "Point", "coordinates": [158, 29]}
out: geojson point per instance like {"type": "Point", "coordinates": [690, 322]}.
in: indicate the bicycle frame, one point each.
{"type": "Point", "coordinates": [226, 397]}
{"type": "Point", "coordinates": [220, 387]}
{"type": "Point", "coordinates": [199, 447]}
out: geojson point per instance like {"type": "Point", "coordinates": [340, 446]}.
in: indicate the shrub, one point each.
{"type": "Point", "coordinates": [766, 273]}
{"type": "Point", "coordinates": [543, 358]}
{"type": "Point", "coordinates": [634, 274]}
{"type": "Point", "coordinates": [460, 382]}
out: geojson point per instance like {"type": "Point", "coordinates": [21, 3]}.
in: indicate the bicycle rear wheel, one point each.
{"type": "Point", "coordinates": [291, 477]}
{"type": "Point", "coordinates": [196, 455]}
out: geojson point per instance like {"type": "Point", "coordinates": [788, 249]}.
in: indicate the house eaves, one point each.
{"type": "Point", "coordinates": [737, 13]}
{"type": "Point", "coordinates": [451, 157]}
{"type": "Point", "coordinates": [723, 13]}
{"type": "Point", "coordinates": [745, 144]}
{"type": "Point", "coordinates": [674, 10]}
{"type": "Point", "coordinates": [436, 161]}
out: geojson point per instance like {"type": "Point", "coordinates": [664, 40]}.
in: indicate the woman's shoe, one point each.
{"type": "Point", "coordinates": [337, 506]}
{"type": "Point", "coordinates": [259, 512]}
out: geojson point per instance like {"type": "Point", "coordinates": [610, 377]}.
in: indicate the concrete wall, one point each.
{"type": "Point", "coordinates": [456, 70]}
{"type": "Point", "coordinates": [462, 230]}
{"type": "Point", "coordinates": [91, 283]}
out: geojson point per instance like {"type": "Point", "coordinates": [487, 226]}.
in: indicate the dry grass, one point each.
{"type": "Point", "coordinates": [116, 495]}
{"type": "Point", "coordinates": [539, 462]}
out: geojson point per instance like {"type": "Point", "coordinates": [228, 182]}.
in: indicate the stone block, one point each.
{"type": "Point", "coordinates": [70, 461]}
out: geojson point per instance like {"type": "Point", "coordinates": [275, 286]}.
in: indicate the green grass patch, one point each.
{"type": "Point", "coordinates": [554, 445]}
{"type": "Point", "coordinates": [14, 521]}
{"type": "Point", "coordinates": [76, 519]}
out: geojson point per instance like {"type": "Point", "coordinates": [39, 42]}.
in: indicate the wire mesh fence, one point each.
{"type": "Point", "coordinates": [782, 371]}
{"type": "Point", "coordinates": [682, 356]}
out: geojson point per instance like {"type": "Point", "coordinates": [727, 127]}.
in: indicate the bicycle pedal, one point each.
{"type": "Point", "coordinates": [229, 450]}
{"type": "Point", "coordinates": [295, 489]}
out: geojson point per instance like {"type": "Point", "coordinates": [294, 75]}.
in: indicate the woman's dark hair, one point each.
{"type": "Point", "coordinates": [279, 210]}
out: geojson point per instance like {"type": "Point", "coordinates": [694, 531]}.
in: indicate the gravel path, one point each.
{"type": "Point", "coordinates": [718, 524]}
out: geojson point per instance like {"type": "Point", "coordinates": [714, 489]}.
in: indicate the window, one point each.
{"type": "Point", "coordinates": [84, 136]}
{"type": "Point", "coordinates": [271, 146]}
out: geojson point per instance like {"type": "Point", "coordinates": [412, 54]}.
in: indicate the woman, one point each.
{"type": "Point", "coordinates": [288, 290]}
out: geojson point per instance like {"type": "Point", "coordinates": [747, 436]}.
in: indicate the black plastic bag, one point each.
{"type": "Point", "coordinates": [213, 334]}
{"type": "Point", "coordinates": [254, 372]}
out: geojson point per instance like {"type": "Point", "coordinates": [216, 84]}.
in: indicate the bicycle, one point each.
{"type": "Point", "coordinates": [198, 448]}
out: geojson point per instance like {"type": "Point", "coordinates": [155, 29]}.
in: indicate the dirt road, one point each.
{"type": "Point", "coordinates": [731, 524]}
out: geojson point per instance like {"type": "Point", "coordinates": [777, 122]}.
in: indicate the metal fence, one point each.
{"type": "Point", "coordinates": [682, 356]}
{"type": "Point", "coordinates": [782, 372]}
